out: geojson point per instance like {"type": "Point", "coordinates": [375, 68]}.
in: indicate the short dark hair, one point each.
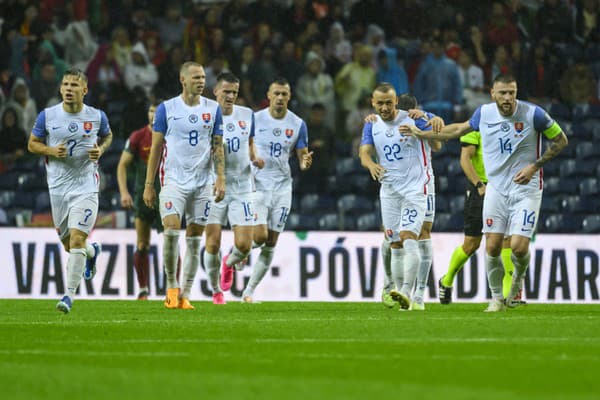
{"type": "Point", "coordinates": [506, 77]}
{"type": "Point", "coordinates": [407, 101]}
{"type": "Point", "coordinates": [281, 81]}
{"type": "Point", "coordinates": [76, 72]}
{"type": "Point", "coordinates": [227, 77]}
{"type": "Point", "coordinates": [384, 87]}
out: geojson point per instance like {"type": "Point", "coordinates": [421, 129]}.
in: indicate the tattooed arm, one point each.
{"type": "Point", "coordinates": [558, 143]}
{"type": "Point", "coordinates": [219, 164]}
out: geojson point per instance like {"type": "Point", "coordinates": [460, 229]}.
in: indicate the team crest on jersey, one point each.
{"type": "Point", "coordinates": [489, 222]}
{"type": "Point", "coordinates": [168, 205]}
{"type": "Point", "coordinates": [289, 133]}
{"type": "Point", "coordinates": [389, 233]}
{"type": "Point", "coordinates": [87, 126]}
{"type": "Point", "coordinates": [206, 117]}
{"type": "Point", "coordinates": [193, 118]}
{"type": "Point", "coordinates": [277, 131]}
{"type": "Point", "coordinates": [518, 127]}
{"type": "Point", "coordinates": [230, 127]}
{"type": "Point", "coordinates": [242, 124]}
{"type": "Point", "coordinates": [73, 127]}
{"type": "Point", "coordinates": [505, 127]}
{"type": "Point", "coordinates": [389, 133]}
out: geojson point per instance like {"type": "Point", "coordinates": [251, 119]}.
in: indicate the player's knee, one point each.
{"type": "Point", "coordinates": [244, 247]}
{"type": "Point", "coordinates": [470, 247]}
{"type": "Point", "coordinates": [76, 242]}
{"type": "Point", "coordinates": [212, 246]}
{"type": "Point", "coordinates": [143, 246]}
{"type": "Point", "coordinates": [520, 251]}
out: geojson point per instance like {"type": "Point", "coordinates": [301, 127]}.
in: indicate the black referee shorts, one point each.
{"type": "Point", "coordinates": [473, 211]}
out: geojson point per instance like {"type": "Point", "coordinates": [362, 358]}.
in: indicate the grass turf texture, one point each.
{"type": "Point", "coordinates": [129, 350]}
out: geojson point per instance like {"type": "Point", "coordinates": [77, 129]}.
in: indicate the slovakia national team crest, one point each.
{"type": "Point", "coordinates": [206, 117]}
{"type": "Point", "coordinates": [389, 233]}
{"type": "Point", "coordinates": [289, 133]}
{"type": "Point", "coordinates": [87, 126]}
{"type": "Point", "coordinates": [242, 124]}
{"type": "Point", "coordinates": [168, 205]}
{"type": "Point", "coordinates": [518, 127]}
{"type": "Point", "coordinates": [489, 222]}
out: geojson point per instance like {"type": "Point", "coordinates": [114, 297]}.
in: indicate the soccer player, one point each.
{"type": "Point", "coordinates": [402, 171]}
{"type": "Point", "coordinates": [471, 162]}
{"type": "Point", "coordinates": [426, 121]}
{"type": "Point", "coordinates": [136, 152]}
{"type": "Point", "coordinates": [73, 136]}
{"type": "Point", "coordinates": [236, 207]}
{"type": "Point", "coordinates": [187, 130]}
{"type": "Point", "coordinates": [511, 132]}
{"type": "Point", "coordinates": [278, 131]}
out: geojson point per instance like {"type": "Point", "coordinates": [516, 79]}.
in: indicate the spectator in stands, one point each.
{"type": "Point", "coordinates": [12, 137]}
{"type": "Point", "coordinates": [338, 50]}
{"type": "Point", "coordinates": [500, 30]}
{"type": "Point", "coordinates": [47, 51]}
{"type": "Point", "coordinates": [577, 85]}
{"type": "Point", "coordinates": [471, 77]}
{"type": "Point", "coordinates": [104, 70]}
{"type": "Point", "coordinates": [79, 45]}
{"type": "Point", "coordinates": [315, 86]}
{"type": "Point", "coordinates": [23, 104]}
{"type": "Point", "coordinates": [141, 72]}
{"type": "Point", "coordinates": [216, 66]}
{"type": "Point", "coordinates": [168, 73]}
{"type": "Point", "coordinates": [391, 71]}
{"type": "Point", "coordinates": [375, 38]}
{"type": "Point", "coordinates": [322, 143]}
{"type": "Point", "coordinates": [45, 87]}
{"type": "Point", "coordinates": [297, 17]}
{"type": "Point", "coordinates": [355, 121]}
{"type": "Point", "coordinates": [587, 19]}
{"type": "Point", "coordinates": [355, 78]}
{"type": "Point", "coordinates": [121, 47]}
{"type": "Point", "coordinates": [156, 54]}
{"type": "Point", "coordinates": [288, 64]}
{"type": "Point", "coordinates": [171, 26]}
{"type": "Point", "coordinates": [437, 85]}
{"type": "Point", "coordinates": [554, 22]}
{"type": "Point", "coordinates": [501, 64]}
{"type": "Point", "coordinates": [258, 78]}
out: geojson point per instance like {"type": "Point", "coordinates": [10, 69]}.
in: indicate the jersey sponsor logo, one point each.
{"type": "Point", "coordinates": [193, 118]}
{"type": "Point", "coordinates": [206, 117]}
{"type": "Point", "coordinates": [168, 205]}
{"type": "Point", "coordinates": [277, 132]}
{"type": "Point", "coordinates": [73, 127]}
{"type": "Point", "coordinates": [518, 127]}
{"type": "Point", "coordinates": [230, 127]}
{"type": "Point", "coordinates": [505, 127]}
{"type": "Point", "coordinates": [489, 222]}
{"type": "Point", "coordinates": [289, 133]}
{"type": "Point", "coordinates": [87, 126]}
{"type": "Point", "coordinates": [242, 124]}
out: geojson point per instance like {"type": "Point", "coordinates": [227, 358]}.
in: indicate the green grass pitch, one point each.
{"type": "Point", "coordinates": [138, 350]}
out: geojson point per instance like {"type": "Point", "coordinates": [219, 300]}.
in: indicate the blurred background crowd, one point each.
{"type": "Point", "coordinates": [332, 52]}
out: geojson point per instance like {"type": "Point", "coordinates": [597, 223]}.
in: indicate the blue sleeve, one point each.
{"type": "Point", "coordinates": [302, 137]}
{"type": "Point", "coordinates": [430, 115]}
{"type": "Point", "coordinates": [541, 120]}
{"type": "Point", "coordinates": [39, 128]}
{"type": "Point", "coordinates": [160, 119]}
{"type": "Point", "coordinates": [367, 135]}
{"type": "Point", "coordinates": [421, 122]}
{"type": "Point", "coordinates": [475, 118]}
{"type": "Point", "coordinates": [252, 126]}
{"type": "Point", "coordinates": [218, 126]}
{"type": "Point", "coordinates": [104, 126]}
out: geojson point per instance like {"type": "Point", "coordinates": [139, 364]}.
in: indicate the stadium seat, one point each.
{"type": "Point", "coordinates": [309, 203]}
{"type": "Point", "coordinates": [589, 187]}
{"type": "Point", "coordinates": [560, 110]}
{"type": "Point", "coordinates": [339, 184]}
{"type": "Point", "coordinates": [591, 224]}
{"type": "Point", "coordinates": [578, 204]}
{"type": "Point", "coordinates": [42, 202]}
{"type": "Point", "coordinates": [441, 184]}
{"type": "Point", "coordinates": [31, 181]}
{"type": "Point", "coordinates": [369, 222]}
{"type": "Point", "coordinates": [556, 185]}
{"type": "Point", "coordinates": [587, 150]}
{"type": "Point", "coordinates": [456, 204]}
{"type": "Point", "coordinates": [353, 204]}
{"type": "Point", "coordinates": [24, 199]}
{"type": "Point", "coordinates": [454, 168]}
{"type": "Point", "coordinates": [551, 204]}
{"type": "Point", "coordinates": [9, 180]}
{"type": "Point", "coordinates": [349, 165]}
{"type": "Point", "coordinates": [329, 222]}
{"type": "Point", "coordinates": [448, 222]}
{"type": "Point", "coordinates": [441, 204]}
{"type": "Point", "coordinates": [7, 198]}
{"type": "Point", "coordinates": [298, 222]}
{"type": "Point", "coordinates": [553, 223]}
{"type": "Point", "coordinates": [577, 168]}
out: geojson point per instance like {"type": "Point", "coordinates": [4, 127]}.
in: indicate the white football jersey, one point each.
{"type": "Point", "coordinates": [275, 139]}
{"type": "Point", "coordinates": [511, 143]}
{"type": "Point", "coordinates": [76, 173]}
{"type": "Point", "coordinates": [188, 132]}
{"type": "Point", "coordinates": [238, 128]}
{"type": "Point", "coordinates": [403, 157]}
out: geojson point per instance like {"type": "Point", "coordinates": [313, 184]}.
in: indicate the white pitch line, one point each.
{"type": "Point", "coordinates": [36, 352]}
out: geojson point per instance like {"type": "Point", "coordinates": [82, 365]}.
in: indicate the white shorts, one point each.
{"type": "Point", "coordinates": [235, 209]}
{"type": "Point", "coordinates": [193, 204]}
{"type": "Point", "coordinates": [403, 213]}
{"type": "Point", "coordinates": [514, 214]}
{"type": "Point", "coordinates": [430, 210]}
{"type": "Point", "coordinates": [272, 208]}
{"type": "Point", "coordinates": [77, 211]}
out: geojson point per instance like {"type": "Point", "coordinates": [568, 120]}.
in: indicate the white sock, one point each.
{"type": "Point", "coordinates": [495, 273]}
{"type": "Point", "coordinates": [256, 245]}
{"type": "Point", "coordinates": [521, 264]}
{"type": "Point", "coordinates": [170, 256]}
{"type": "Point", "coordinates": [261, 267]}
{"type": "Point", "coordinates": [386, 255]}
{"type": "Point", "coordinates": [397, 267]}
{"type": "Point", "coordinates": [426, 250]}
{"type": "Point", "coordinates": [235, 256]}
{"type": "Point", "coordinates": [75, 267]}
{"type": "Point", "coordinates": [90, 251]}
{"type": "Point", "coordinates": [191, 261]}
{"type": "Point", "coordinates": [412, 259]}
{"type": "Point", "coordinates": [211, 263]}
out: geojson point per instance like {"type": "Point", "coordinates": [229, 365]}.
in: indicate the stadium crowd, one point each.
{"type": "Point", "coordinates": [333, 53]}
